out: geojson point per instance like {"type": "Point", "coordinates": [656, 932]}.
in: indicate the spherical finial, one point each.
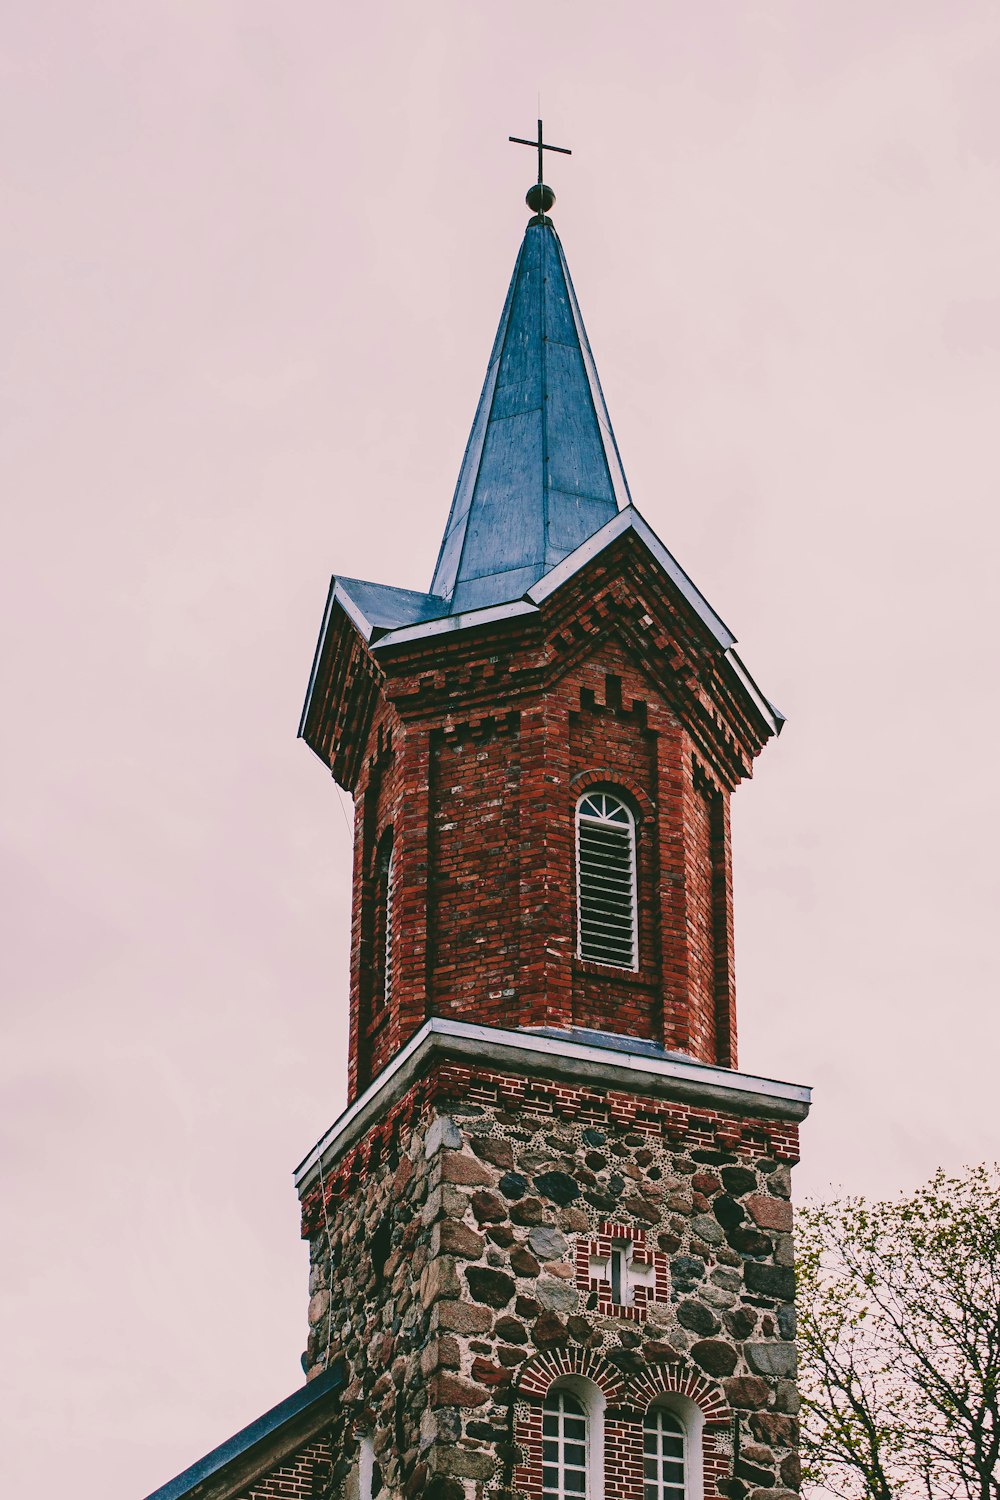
{"type": "Point", "coordinates": [539, 198]}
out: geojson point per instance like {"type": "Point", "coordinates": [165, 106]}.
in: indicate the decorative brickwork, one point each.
{"type": "Point", "coordinates": [472, 749]}
{"type": "Point", "coordinates": [627, 1400]}
{"type": "Point", "coordinates": [537, 1375]}
{"type": "Point", "coordinates": [304, 1475]}
{"type": "Point", "coordinates": [593, 1271]}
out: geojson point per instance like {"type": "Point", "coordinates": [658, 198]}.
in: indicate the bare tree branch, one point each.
{"type": "Point", "coordinates": [900, 1342]}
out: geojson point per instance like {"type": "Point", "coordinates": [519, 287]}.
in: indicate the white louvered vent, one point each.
{"type": "Point", "coordinates": [605, 862]}
{"type": "Point", "coordinates": [387, 955]}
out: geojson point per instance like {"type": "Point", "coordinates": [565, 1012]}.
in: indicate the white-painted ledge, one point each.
{"type": "Point", "coordinates": [660, 1076]}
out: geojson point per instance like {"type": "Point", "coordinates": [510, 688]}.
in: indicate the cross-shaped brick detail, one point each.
{"type": "Point", "coordinates": [624, 1272]}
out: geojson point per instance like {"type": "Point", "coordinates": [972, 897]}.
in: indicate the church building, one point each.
{"type": "Point", "coordinates": [550, 1237]}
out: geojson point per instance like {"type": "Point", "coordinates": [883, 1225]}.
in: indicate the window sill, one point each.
{"type": "Point", "coordinates": [642, 975]}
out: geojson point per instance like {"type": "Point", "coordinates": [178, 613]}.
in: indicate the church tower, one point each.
{"type": "Point", "coordinates": [550, 1237]}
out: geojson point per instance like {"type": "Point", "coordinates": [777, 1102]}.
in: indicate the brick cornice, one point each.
{"type": "Point", "coordinates": [526, 1072]}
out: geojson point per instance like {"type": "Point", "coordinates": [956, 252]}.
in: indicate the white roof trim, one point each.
{"type": "Point", "coordinates": [526, 1051]}
{"type": "Point", "coordinates": [317, 654]}
{"type": "Point", "coordinates": [628, 519]}
{"type": "Point", "coordinates": [574, 561]}
{"type": "Point", "coordinates": [448, 623]}
{"type": "Point", "coordinates": [631, 520]}
{"type": "Point", "coordinates": [352, 611]}
{"type": "Point", "coordinates": [753, 692]}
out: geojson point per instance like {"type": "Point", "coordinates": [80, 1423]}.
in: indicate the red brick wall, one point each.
{"type": "Point", "coordinates": [700, 922]}
{"type": "Point", "coordinates": [474, 870]}
{"type": "Point", "coordinates": [474, 749]}
{"type": "Point", "coordinates": [304, 1475]}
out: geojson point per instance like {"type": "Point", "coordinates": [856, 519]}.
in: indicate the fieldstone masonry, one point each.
{"type": "Point", "coordinates": [451, 1270]}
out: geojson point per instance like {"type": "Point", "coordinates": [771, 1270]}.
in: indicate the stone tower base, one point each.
{"type": "Point", "coordinates": [463, 1220]}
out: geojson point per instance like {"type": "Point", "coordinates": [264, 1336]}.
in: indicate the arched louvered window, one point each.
{"type": "Point", "coordinates": [664, 1441]}
{"type": "Point", "coordinates": [387, 954]}
{"type": "Point", "coordinates": [605, 881]}
{"type": "Point", "coordinates": [564, 1447]}
{"type": "Point", "coordinates": [384, 870]}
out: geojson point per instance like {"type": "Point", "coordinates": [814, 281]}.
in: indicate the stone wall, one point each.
{"type": "Point", "coordinates": [455, 1268]}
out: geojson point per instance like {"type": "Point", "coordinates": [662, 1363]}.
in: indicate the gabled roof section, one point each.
{"type": "Point", "coordinates": [541, 471]}
{"type": "Point", "coordinates": [555, 578]}
{"type": "Point", "coordinates": [228, 1469]}
{"type": "Point", "coordinates": [376, 607]}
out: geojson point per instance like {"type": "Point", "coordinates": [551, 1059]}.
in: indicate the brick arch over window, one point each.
{"type": "Point", "coordinates": [541, 1370]}
{"type": "Point", "coordinates": [628, 1399]}
{"type": "Point", "coordinates": [661, 1380]}
{"type": "Point", "coordinates": [575, 1370]}
{"type": "Point", "coordinates": [606, 776]}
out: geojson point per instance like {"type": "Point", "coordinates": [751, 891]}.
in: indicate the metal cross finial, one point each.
{"type": "Point", "coordinates": [541, 146]}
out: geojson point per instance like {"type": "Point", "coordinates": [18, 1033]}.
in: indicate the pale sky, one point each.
{"type": "Point", "coordinates": [252, 261]}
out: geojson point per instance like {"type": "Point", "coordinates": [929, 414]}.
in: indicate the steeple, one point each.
{"type": "Point", "coordinates": [541, 472]}
{"type": "Point", "coordinates": [550, 1237]}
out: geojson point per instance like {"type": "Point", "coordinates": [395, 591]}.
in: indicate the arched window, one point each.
{"type": "Point", "coordinates": [384, 872]}
{"type": "Point", "coordinates": [663, 1444]}
{"type": "Point", "coordinates": [565, 1459]}
{"type": "Point", "coordinates": [672, 1449]}
{"type": "Point", "coordinates": [605, 881]}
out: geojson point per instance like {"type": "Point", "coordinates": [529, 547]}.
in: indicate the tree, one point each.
{"type": "Point", "coordinates": [899, 1329]}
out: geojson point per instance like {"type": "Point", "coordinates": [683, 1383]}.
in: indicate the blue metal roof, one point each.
{"type": "Point", "coordinates": [541, 471]}
{"type": "Point", "coordinates": [385, 608]}
{"type": "Point", "coordinates": [541, 490]}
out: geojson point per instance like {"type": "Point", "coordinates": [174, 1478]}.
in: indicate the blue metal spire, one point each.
{"type": "Point", "coordinates": [541, 472]}
{"type": "Point", "coordinates": [541, 491]}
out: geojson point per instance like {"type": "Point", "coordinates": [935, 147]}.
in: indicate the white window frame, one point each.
{"type": "Point", "coordinates": [362, 1479]}
{"type": "Point", "coordinates": [610, 794]}
{"type": "Point", "coordinates": [692, 1420]}
{"type": "Point", "coordinates": [591, 1398]}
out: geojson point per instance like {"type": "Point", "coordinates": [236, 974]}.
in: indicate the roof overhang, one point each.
{"type": "Point", "coordinates": [229, 1469]}
{"type": "Point", "coordinates": [658, 1075]}
{"type": "Point", "coordinates": [387, 618]}
{"type": "Point", "coordinates": [626, 521]}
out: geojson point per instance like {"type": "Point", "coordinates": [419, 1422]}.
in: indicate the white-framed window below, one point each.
{"type": "Point", "coordinates": [672, 1433]}
{"type": "Point", "coordinates": [606, 906]}
{"type": "Point", "coordinates": [361, 1482]}
{"type": "Point", "coordinates": [664, 1441]}
{"type": "Point", "coordinates": [565, 1444]}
